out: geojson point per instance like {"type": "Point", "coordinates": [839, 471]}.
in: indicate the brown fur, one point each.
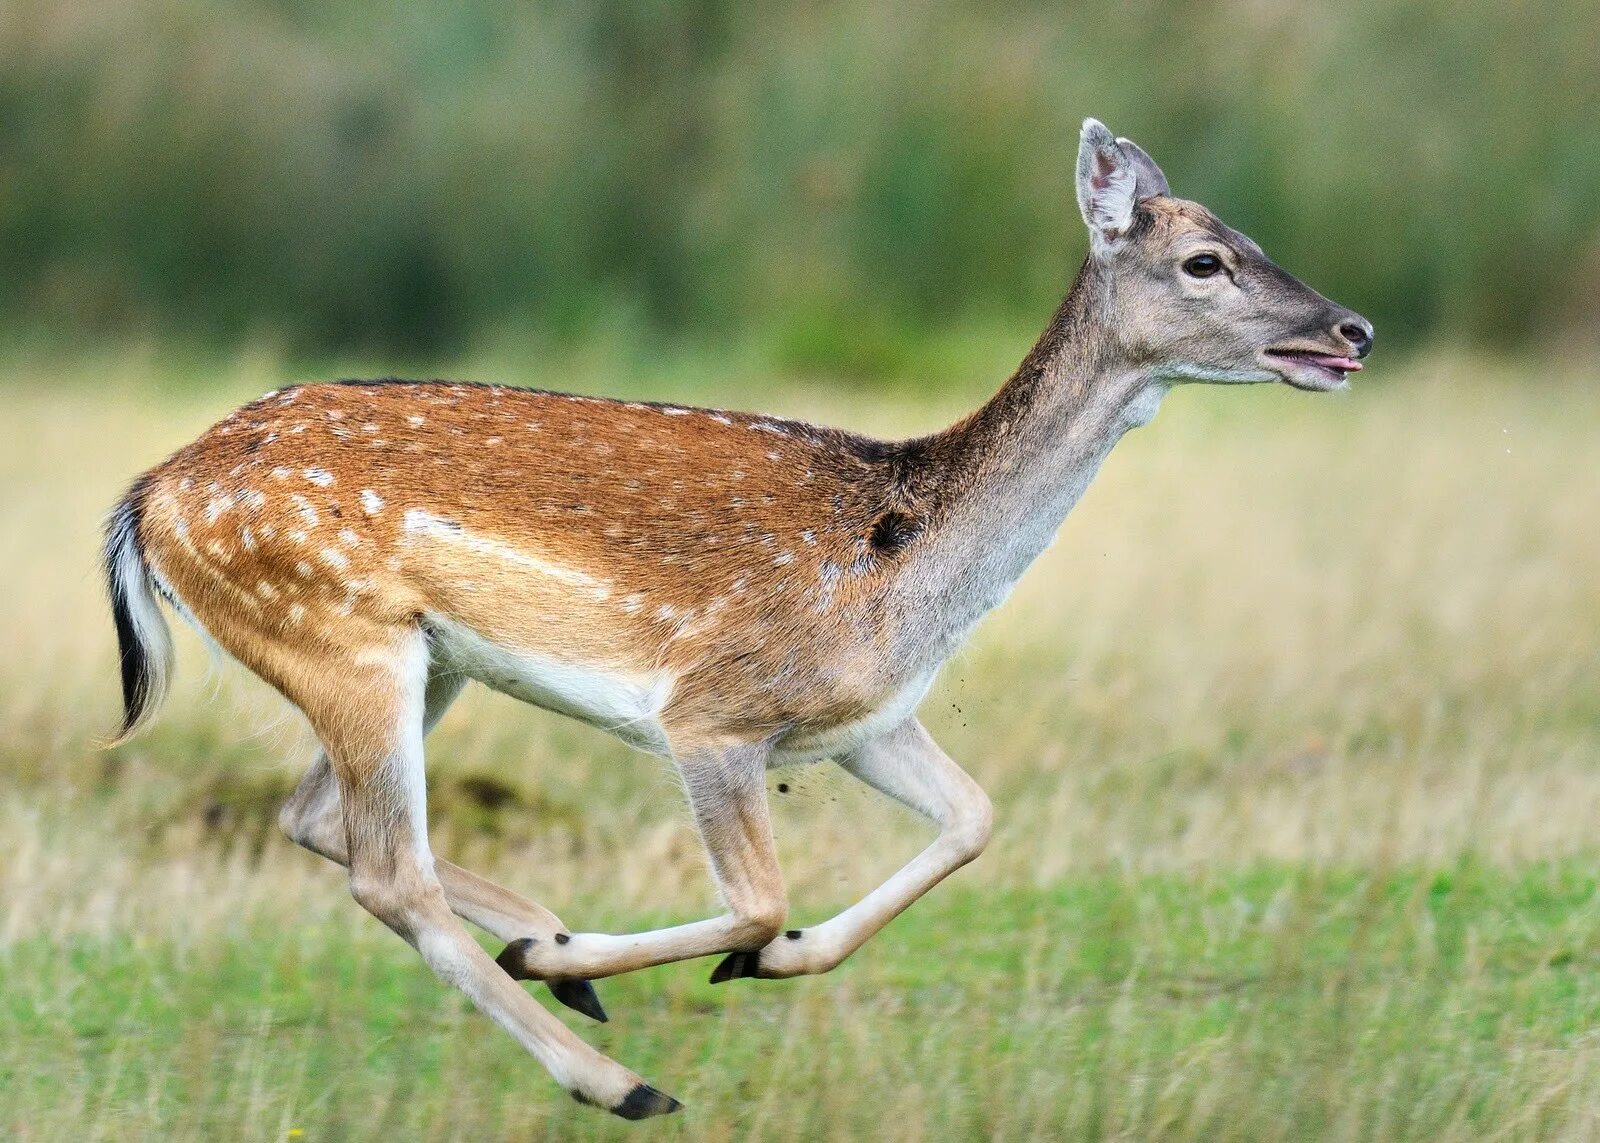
{"type": "Point", "coordinates": [681, 537]}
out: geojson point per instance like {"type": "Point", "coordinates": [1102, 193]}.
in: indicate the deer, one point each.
{"type": "Point", "coordinates": [729, 591]}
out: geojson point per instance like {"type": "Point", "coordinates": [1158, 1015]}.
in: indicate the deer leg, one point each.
{"type": "Point", "coordinates": [908, 766]}
{"type": "Point", "coordinates": [313, 818]}
{"type": "Point", "coordinates": [728, 797]}
{"type": "Point", "coordinates": [369, 720]}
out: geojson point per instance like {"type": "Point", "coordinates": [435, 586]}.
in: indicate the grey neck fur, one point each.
{"type": "Point", "coordinates": [1009, 474]}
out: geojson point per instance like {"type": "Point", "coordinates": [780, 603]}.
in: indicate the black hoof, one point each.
{"type": "Point", "coordinates": [579, 995]}
{"type": "Point", "coordinates": [514, 958]}
{"type": "Point", "coordinates": [644, 1101]}
{"type": "Point", "coordinates": [736, 965]}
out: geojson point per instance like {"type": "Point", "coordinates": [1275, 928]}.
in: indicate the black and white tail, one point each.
{"type": "Point", "coordinates": [144, 643]}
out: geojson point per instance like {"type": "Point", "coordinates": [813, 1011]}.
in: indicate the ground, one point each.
{"type": "Point", "coordinates": [1294, 740]}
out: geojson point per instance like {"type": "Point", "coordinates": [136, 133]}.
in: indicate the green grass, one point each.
{"type": "Point", "coordinates": [1269, 1003]}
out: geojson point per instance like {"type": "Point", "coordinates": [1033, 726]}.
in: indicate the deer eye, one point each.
{"type": "Point", "coordinates": [1202, 265]}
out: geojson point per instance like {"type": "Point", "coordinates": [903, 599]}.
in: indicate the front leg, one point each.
{"type": "Point", "coordinates": [907, 765]}
{"type": "Point", "coordinates": [728, 797]}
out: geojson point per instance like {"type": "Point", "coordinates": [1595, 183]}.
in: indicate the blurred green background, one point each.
{"type": "Point", "coordinates": [831, 183]}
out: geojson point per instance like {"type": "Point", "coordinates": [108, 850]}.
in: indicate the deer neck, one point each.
{"type": "Point", "coordinates": [1007, 476]}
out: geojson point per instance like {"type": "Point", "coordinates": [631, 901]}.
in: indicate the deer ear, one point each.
{"type": "Point", "coordinates": [1150, 181]}
{"type": "Point", "coordinates": [1107, 184]}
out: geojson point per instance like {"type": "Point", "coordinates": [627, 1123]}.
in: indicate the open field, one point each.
{"type": "Point", "coordinates": [1294, 739]}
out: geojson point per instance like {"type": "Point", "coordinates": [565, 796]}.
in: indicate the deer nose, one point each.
{"type": "Point", "coordinates": [1358, 332]}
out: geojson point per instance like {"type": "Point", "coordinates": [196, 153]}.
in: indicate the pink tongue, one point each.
{"type": "Point", "coordinates": [1328, 361]}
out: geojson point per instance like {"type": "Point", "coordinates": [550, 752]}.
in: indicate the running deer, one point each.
{"type": "Point", "coordinates": [730, 591]}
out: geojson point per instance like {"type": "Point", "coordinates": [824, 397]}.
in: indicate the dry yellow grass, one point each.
{"type": "Point", "coordinates": [1358, 629]}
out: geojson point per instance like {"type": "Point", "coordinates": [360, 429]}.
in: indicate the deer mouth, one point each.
{"type": "Point", "coordinates": [1313, 370]}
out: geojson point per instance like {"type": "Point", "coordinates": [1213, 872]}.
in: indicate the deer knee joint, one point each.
{"type": "Point", "coordinates": [377, 895]}
{"type": "Point", "coordinates": [759, 926]}
{"type": "Point", "coordinates": [303, 825]}
{"type": "Point", "coordinates": [972, 826]}
{"type": "Point", "coordinates": [396, 901]}
{"type": "Point", "coordinates": [312, 828]}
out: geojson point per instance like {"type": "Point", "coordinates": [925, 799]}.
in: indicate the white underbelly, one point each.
{"type": "Point", "coordinates": [624, 704]}
{"type": "Point", "coordinates": [808, 744]}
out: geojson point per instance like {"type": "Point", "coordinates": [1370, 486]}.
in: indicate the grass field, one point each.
{"type": "Point", "coordinates": [1294, 739]}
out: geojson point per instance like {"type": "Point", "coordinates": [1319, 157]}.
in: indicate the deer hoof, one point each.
{"type": "Point", "coordinates": [578, 995]}
{"type": "Point", "coordinates": [643, 1102]}
{"type": "Point", "coordinates": [735, 965]}
{"type": "Point", "coordinates": [514, 958]}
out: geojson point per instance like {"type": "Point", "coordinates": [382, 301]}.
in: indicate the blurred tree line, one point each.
{"type": "Point", "coordinates": [410, 176]}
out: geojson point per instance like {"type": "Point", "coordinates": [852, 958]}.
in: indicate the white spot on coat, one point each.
{"type": "Point", "coordinates": [308, 511]}
{"type": "Point", "coordinates": [321, 477]}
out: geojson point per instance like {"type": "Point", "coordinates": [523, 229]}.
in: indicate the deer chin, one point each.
{"type": "Point", "coordinates": [1312, 370]}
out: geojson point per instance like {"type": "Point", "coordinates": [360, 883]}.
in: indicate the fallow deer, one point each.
{"type": "Point", "coordinates": [730, 591]}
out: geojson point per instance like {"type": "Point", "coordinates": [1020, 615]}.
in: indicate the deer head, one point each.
{"type": "Point", "coordinates": [1192, 299]}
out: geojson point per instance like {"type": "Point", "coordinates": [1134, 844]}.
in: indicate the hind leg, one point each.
{"type": "Point", "coordinates": [313, 817]}
{"type": "Point", "coordinates": [367, 709]}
